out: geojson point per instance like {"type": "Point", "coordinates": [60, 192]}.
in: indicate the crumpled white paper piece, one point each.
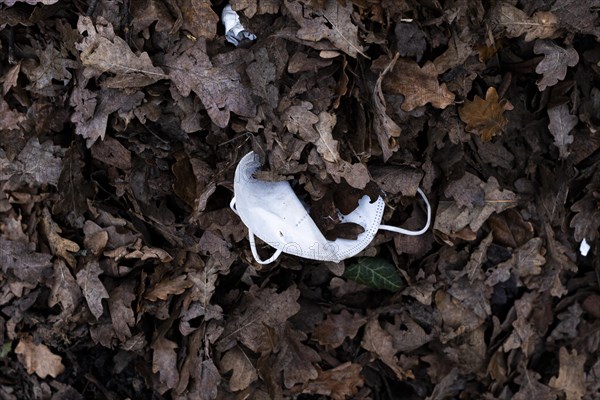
{"type": "Point", "coordinates": [584, 248]}
{"type": "Point", "coordinates": [234, 30]}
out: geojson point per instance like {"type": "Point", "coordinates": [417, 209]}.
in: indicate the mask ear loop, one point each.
{"type": "Point", "coordinates": [409, 232]}
{"type": "Point", "coordinates": [252, 241]}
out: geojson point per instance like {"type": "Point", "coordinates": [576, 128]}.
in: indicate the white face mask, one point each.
{"type": "Point", "coordinates": [273, 212]}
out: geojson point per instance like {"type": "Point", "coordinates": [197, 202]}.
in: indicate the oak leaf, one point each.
{"type": "Point", "coordinates": [571, 375]}
{"type": "Point", "coordinates": [53, 65]}
{"type": "Point", "coordinates": [418, 85]}
{"type": "Point", "coordinates": [244, 372]}
{"type": "Point", "coordinates": [92, 287]}
{"type": "Point", "coordinates": [340, 383]}
{"type": "Point", "coordinates": [337, 327]}
{"type": "Point", "coordinates": [199, 18]}
{"type": "Point", "coordinates": [9, 3]}
{"type": "Point", "coordinates": [383, 125]}
{"type": "Point", "coordinates": [252, 7]}
{"type": "Point", "coordinates": [578, 16]}
{"type": "Point", "coordinates": [561, 124]}
{"type": "Point", "coordinates": [451, 217]}
{"type": "Point", "coordinates": [333, 22]}
{"type": "Point", "coordinates": [485, 117]}
{"type": "Point", "coordinates": [93, 108]}
{"type": "Point", "coordinates": [260, 308]}
{"type": "Point", "coordinates": [64, 288]}
{"type": "Point", "coordinates": [515, 22]}
{"type": "Point", "coordinates": [39, 359]}
{"type": "Point", "coordinates": [220, 88]}
{"type": "Point", "coordinates": [587, 214]}
{"type": "Point", "coordinates": [60, 246]}
{"type": "Point", "coordinates": [37, 163]}
{"type": "Point", "coordinates": [164, 361]}
{"type": "Point", "coordinates": [381, 343]}
{"type": "Point", "coordinates": [532, 388]}
{"type": "Point", "coordinates": [121, 313]}
{"type": "Point", "coordinates": [23, 261]}
{"type": "Point", "coordinates": [167, 287]}
{"type": "Point", "coordinates": [553, 67]}
{"type": "Point", "coordinates": [103, 51]}
{"type": "Point", "coordinates": [294, 359]}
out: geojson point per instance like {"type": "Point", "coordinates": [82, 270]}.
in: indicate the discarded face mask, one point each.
{"type": "Point", "coordinates": [234, 30]}
{"type": "Point", "coordinates": [273, 212]}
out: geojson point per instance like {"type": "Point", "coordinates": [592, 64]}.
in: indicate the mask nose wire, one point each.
{"type": "Point", "coordinates": [407, 231]}
{"type": "Point", "coordinates": [252, 241]}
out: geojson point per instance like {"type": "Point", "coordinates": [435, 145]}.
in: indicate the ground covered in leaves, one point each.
{"type": "Point", "coordinates": [124, 273]}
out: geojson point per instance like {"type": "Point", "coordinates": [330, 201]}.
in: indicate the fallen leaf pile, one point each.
{"type": "Point", "coordinates": [125, 274]}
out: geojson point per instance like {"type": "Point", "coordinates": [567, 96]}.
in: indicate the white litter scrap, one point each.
{"type": "Point", "coordinates": [234, 30]}
{"type": "Point", "coordinates": [273, 212]}
{"type": "Point", "coordinates": [584, 248]}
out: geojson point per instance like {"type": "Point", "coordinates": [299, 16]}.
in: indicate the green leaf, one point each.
{"type": "Point", "coordinates": [376, 273]}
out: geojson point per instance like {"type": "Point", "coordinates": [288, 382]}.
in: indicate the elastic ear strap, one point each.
{"type": "Point", "coordinates": [409, 232]}
{"type": "Point", "coordinates": [232, 206]}
{"type": "Point", "coordinates": [253, 242]}
{"type": "Point", "coordinates": [255, 253]}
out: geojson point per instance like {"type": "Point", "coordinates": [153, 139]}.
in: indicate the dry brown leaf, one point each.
{"type": "Point", "coordinates": [515, 22]}
{"type": "Point", "coordinates": [577, 16]}
{"type": "Point", "coordinates": [526, 260]}
{"type": "Point", "coordinates": [571, 375]}
{"type": "Point", "coordinates": [20, 259]}
{"type": "Point", "coordinates": [220, 88]}
{"type": "Point", "coordinates": [102, 51]}
{"type": "Point", "coordinates": [339, 383]}
{"type": "Point", "coordinates": [510, 229]}
{"type": "Point", "coordinates": [244, 372]}
{"type": "Point", "coordinates": [9, 80]}
{"type": "Point", "coordinates": [54, 65]}
{"type": "Point", "coordinates": [93, 108]}
{"type": "Point", "coordinates": [337, 327]}
{"type": "Point", "coordinates": [92, 287]}
{"type": "Point", "coordinates": [121, 313]}
{"type": "Point", "coordinates": [10, 3]}
{"type": "Point", "coordinates": [555, 63]}
{"type": "Point", "coordinates": [383, 125]}
{"type": "Point", "coordinates": [112, 152]}
{"type": "Point", "coordinates": [164, 361]}
{"type": "Point", "coordinates": [64, 288]}
{"type": "Point", "coordinates": [36, 164]}
{"type": "Point", "coordinates": [39, 359]}
{"type": "Point", "coordinates": [524, 336]}
{"type": "Point", "coordinates": [260, 308]}
{"type": "Point", "coordinates": [333, 22]}
{"type": "Point", "coordinates": [294, 359]}
{"type": "Point", "coordinates": [381, 343]}
{"type": "Point", "coordinates": [452, 218]}
{"type": "Point", "coordinates": [147, 12]}
{"type": "Point", "coordinates": [95, 239]}
{"type": "Point", "coordinates": [561, 124]}
{"type": "Point", "coordinates": [199, 18]}
{"type": "Point", "coordinates": [568, 327]}
{"type": "Point", "coordinates": [485, 117]}
{"type": "Point", "coordinates": [397, 179]}
{"type": "Point", "coordinates": [418, 85]}
{"type": "Point", "coordinates": [458, 52]}
{"type": "Point", "coordinates": [60, 246]}
{"type": "Point", "coordinates": [167, 287]}
{"type": "Point", "coordinates": [326, 145]}
{"type": "Point", "coordinates": [532, 388]}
